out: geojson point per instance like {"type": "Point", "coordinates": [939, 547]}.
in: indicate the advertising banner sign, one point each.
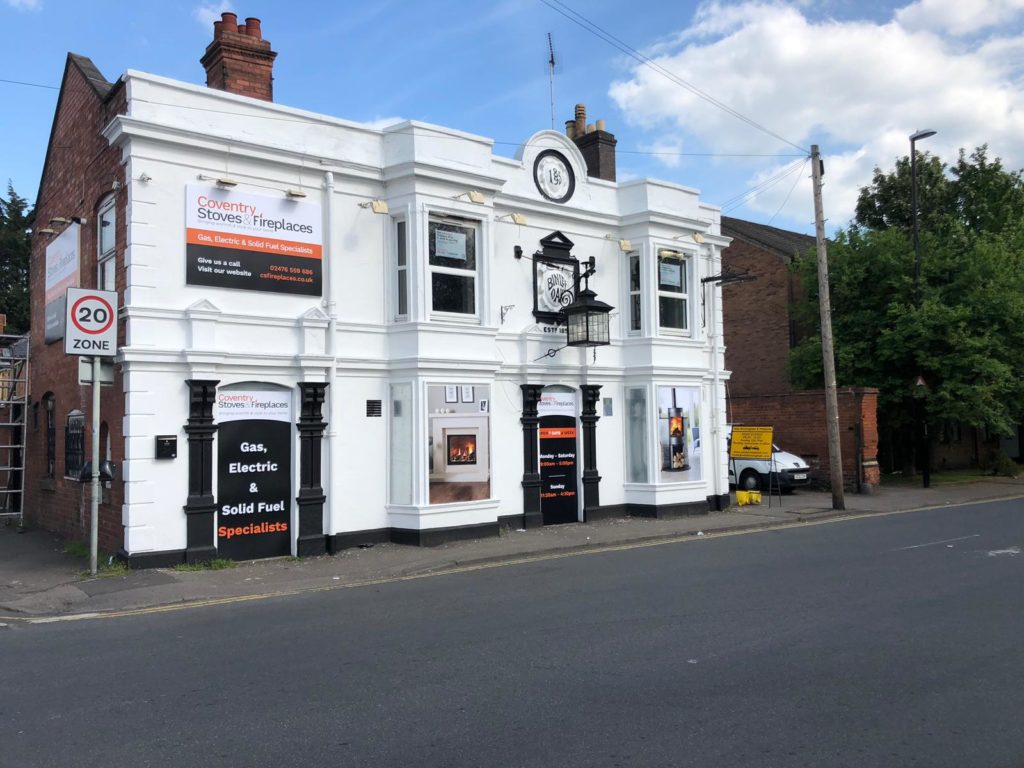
{"type": "Point", "coordinates": [252, 242]}
{"type": "Point", "coordinates": [559, 496]}
{"type": "Point", "coordinates": [254, 473]}
{"type": "Point", "coordinates": [62, 258]}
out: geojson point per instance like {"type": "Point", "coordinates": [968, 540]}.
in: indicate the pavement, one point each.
{"type": "Point", "coordinates": [40, 582]}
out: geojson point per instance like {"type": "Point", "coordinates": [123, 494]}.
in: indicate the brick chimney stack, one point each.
{"type": "Point", "coordinates": [239, 60]}
{"type": "Point", "coordinates": [596, 144]}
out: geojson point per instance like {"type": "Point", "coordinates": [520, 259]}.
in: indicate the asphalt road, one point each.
{"type": "Point", "coordinates": [892, 641]}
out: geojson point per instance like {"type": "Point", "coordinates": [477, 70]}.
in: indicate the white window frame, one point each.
{"type": "Point", "coordinates": [475, 226]}
{"type": "Point", "coordinates": [106, 259]}
{"type": "Point", "coordinates": [634, 294]}
{"type": "Point", "coordinates": [401, 235]}
{"type": "Point", "coordinates": [683, 295]}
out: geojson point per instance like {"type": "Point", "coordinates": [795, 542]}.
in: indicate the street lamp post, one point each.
{"type": "Point", "coordinates": [922, 420]}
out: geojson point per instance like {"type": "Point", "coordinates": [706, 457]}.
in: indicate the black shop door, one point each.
{"type": "Point", "coordinates": [559, 496]}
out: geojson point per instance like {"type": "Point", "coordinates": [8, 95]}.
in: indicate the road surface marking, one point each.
{"type": "Point", "coordinates": [997, 552]}
{"type": "Point", "coordinates": [934, 543]}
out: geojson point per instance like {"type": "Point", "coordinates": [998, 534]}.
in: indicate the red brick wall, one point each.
{"type": "Point", "coordinates": [239, 60]}
{"type": "Point", "coordinates": [756, 321]}
{"type": "Point", "coordinates": [801, 428]}
{"type": "Point", "coordinates": [80, 172]}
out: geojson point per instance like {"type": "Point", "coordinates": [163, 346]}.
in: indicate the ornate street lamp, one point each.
{"type": "Point", "coordinates": [586, 318]}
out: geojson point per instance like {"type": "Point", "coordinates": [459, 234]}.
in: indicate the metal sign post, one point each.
{"type": "Point", "coordinates": [90, 329]}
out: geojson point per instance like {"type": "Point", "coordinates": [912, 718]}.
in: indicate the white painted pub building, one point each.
{"type": "Point", "coordinates": [335, 335]}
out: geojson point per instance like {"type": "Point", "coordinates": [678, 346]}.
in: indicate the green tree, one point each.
{"type": "Point", "coordinates": [15, 247]}
{"type": "Point", "coordinates": [963, 331]}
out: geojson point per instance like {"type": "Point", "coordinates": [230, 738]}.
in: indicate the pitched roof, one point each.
{"type": "Point", "coordinates": [100, 86]}
{"type": "Point", "coordinates": [782, 242]}
{"type": "Point", "coordinates": [89, 71]}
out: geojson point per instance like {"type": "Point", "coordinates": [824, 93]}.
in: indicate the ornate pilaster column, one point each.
{"type": "Point", "coordinates": [312, 538]}
{"type": "Point", "coordinates": [532, 517]}
{"type": "Point", "coordinates": [200, 506]}
{"type": "Point", "coordinates": [591, 479]}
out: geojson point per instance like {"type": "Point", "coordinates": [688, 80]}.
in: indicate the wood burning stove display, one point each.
{"type": "Point", "coordinates": [679, 433]}
{"type": "Point", "coordinates": [461, 449]}
{"type": "Point", "coordinates": [675, 458]}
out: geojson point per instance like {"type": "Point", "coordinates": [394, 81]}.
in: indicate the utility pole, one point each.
{"type": "Point", "coordinates": [828, 358]}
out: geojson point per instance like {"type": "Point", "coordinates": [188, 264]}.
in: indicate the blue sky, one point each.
{"type": "Point", "coordinates": [854, 77]}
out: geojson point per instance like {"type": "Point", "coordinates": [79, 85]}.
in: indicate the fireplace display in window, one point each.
{"type": "Point", "coordinates": [459, 464]}
{"type": "Point", "coordinates": [679, 434]}
{"type": "Point", "coordinates": [461, 449]}
{"type": "Point", "coordinates": [675, 458]}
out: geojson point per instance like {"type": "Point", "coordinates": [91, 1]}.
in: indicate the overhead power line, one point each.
{"type": "Point", "coordinates": [738, 200]}
{"type": "Point", "coordinates": [608, 37]}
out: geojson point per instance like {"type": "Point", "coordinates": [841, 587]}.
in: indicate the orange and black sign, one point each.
{"type": "Point", "coordinates": [559, 499]}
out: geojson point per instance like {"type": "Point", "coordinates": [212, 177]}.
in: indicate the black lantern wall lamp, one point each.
{"type": "Point", "coordinates": [586, 318]}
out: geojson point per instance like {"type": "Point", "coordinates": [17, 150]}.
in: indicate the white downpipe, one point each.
{"type": "Point", "coordinates": [716, 379]}
{"type": "Point", "coordinates": [327, 476]}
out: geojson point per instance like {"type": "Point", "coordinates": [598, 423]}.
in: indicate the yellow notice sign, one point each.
{"type": "Point", "coordinates": [751, 443]}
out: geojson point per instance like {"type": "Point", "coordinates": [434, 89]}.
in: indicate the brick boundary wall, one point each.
{"type": "Point", "coordinates": [800, 427]}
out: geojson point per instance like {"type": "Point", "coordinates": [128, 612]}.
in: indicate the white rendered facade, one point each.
{"type": "Point", "coordinates": [368, 342]}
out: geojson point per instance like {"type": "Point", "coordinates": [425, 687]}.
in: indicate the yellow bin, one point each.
{"type": "Point", "coordinates": [748, 497]}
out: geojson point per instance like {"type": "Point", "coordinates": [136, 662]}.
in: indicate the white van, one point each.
{"type": "Point", "coordinates": [789, 471]}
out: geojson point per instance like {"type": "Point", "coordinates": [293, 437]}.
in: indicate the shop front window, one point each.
{"type": "Point", "coordinates": [636, 435]}
{"type": "Point", "coordinates": [679, 434]}
{"type": "Point", "coordinates": [401, 444]}
{"type": "Point", "coordinates": [458, 443]}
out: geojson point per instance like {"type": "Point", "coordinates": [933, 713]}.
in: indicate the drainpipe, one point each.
{"type": "Point", "coordinates": [332, 330]}
{"type": "Point", "coordinates": [716, 379]}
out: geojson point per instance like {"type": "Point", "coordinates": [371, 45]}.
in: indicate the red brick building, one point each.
{"type": "Point", "coordinates": [759, 334]}
{"type": "Point", "coordinates": [82, 187]}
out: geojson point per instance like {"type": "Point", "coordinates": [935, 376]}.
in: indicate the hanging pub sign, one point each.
{"type": "Point", "coordinates": [252, 242]}
{"type": "Point", "coordinates": [559, 497]}
{"type": "Point", "coordinates": [254, 473]}
{"type": "Point", "coordinates": [554, 279]}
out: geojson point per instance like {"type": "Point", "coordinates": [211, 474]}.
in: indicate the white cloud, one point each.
{"type": "Point", "coordinates": [857, 88]}
{"type": "Point", "coordinates": [958, 17]}
{"type": "Point", "coordinates": [207, 13]}
{"type": "Point", "coordinates": [26, 5]}
{"type": "Point", "coordinates": [380, 123]}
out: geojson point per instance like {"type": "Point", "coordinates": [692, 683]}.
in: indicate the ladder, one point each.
{"type": "Point", "coordinates": [14, 402]}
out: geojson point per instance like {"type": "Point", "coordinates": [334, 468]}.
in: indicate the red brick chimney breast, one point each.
{"type": "Point", "coordinates": [239, 60]}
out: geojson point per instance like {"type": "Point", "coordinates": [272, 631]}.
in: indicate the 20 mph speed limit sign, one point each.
{"type": "Point", "coordinates": [90, 323]}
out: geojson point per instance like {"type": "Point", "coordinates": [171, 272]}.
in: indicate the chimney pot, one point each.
{"type": "Point", "coordinates": [595, 144]}
{"type": "Point", "coordinates": [241, 62]}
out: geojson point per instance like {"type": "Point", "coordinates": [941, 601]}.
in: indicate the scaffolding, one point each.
{"type": "Point", "coordinates": [14, 402]}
